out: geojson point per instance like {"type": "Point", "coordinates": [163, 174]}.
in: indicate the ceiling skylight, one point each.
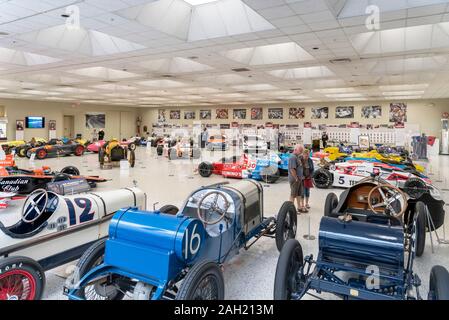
{"type": "Point", "coordinates": [22, 58]}
{"type": "Point", "coordinates": [303, 73]}
{"type": "Point", "coordinates": [271, 54]}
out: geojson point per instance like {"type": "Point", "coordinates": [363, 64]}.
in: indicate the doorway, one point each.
{"type": "Point", "coordinates": [69, 126]}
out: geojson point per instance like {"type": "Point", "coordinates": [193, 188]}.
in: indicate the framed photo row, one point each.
{"type": "Point", "coordinates": [397, 113]}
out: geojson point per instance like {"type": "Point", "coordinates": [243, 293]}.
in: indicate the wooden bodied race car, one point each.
{"type": "Point", "coordinates": [22, 150]}
{"type": "Point", "coordinates": [21, 181]}
{"type": "Point", "coordinates": [113, 152]}
{"type": "Point", "coordinates": [56, 148]}
{"type": "Point", "coordinates": [364, 253]}
{"type": "Point", "coordinates": [157, 256]}
{"type": "Point", "coordinates": [52, 231]}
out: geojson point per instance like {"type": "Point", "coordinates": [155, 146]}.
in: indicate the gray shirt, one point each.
{"type": "Point", "coordinates": [295, 163]}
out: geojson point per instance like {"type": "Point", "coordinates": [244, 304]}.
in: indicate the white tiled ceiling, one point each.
{"type": "Point", "coordinates": [179, 52]}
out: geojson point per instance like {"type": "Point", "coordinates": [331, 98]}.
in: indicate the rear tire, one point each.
{"type": "Point", "coordinates": [160, 150]}
{"type": "Point", "coordinates": [16, 270]}
{"type": "Point", "coordinates": [322, 179]}
{"type": "Point", "coordinates": [41, 154]}
{"type": "Point", "coordinates": [132, 146]}
{"type": "Point", "coordinates": [60, 177]}
{"type": "Point", "coordinates": [71, 170]}
{"type": "Point", "coordinates": [169, 209]}
{"type": "Point", "coordinates": [290, 261]}
{"type": "Point", "coordinates": [286, 224]}
{"type": "Point", "coordinates": [202, 274]}
{"type": "Point", "coordinates": [439, 284]}
{"type": "Point", "coordinates": [330, 204]}
{"type": "Point", "coordinates": [101, 156]}
{"type": "Point", "coordinates": [205, 169]}
{"type": "Point", "coordinates": [79, 151]}
{"type": "Point", "coordinates": [132, 158]}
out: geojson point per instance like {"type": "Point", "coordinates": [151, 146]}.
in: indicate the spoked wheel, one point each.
{"type": "Point", "coordinates": [203, 282]}
{"type": "Point", "coordinates": [24, 279]}
{"type": "Point", "coordinates": [103, 289]}
{"type": "Point", "coordinates": [286, 224]}
{"type": "Point", "coordinates": [287, 279]}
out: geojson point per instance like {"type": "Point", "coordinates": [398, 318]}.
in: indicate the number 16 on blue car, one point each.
{"type": "Point", "coordinates": [179, 254]}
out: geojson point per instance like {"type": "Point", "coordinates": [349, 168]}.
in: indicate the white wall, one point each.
{"type": "Point", "coordinates": [19, 109]}
{"type": "Point", "coordinates": [419, 112]}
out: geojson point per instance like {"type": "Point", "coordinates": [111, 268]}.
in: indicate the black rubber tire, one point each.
{"type": "Point", "coordinates": [132, 146]}
{"type": "Point", "coordinates": [322, 179]}
{"type": "Point", "coordinates": [415, 188]}
{"type": "Point", "coordinates": [22, 152]}
{"type": "Point", "coordinates": [289, 262]}
{"type": "Point", "coordinates": [132, 159]}
{"type": "Point", "coordinates": [421, 222]}
{"type": "Point", "coordinates": [439, 283]}
{"type": "Point", "coordinates": [160, 150]}
{"type": "Point", "coordinates": [101, 156]}
{"type": "Point", "coordinates": [205, 169]}
{"type": "Point", "coordinates": [60, 177]}
{"type": "Point", "coordinates": [270, 178]}
{"type": "Point", "coordinates": [28, 265]}
{"type": "Point", "coordinates": [169, 209]}
{"type": "Point", "coordinates": [330, 204]}
{"type": "Point", "coordinates": [286, 229]}
{"type": "Point", "coordinates": [194, 278]}
{"type": "Point", "coordinates": [90, 259]}
{"type": "Point", "coordinates": [71, 170]}
{"type": "Point", "coordinates": [41, 154]}
{"type": "Point", "coordinates": [79, 151]}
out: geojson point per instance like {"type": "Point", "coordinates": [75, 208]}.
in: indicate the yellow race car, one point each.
{"type": "Point", "coordinates": [10, 145]}
{"type": "Point", "coordinates": [22, 149]}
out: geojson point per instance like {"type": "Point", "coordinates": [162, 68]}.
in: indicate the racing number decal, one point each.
{"type": "Point", "coordinates": [341, 180]}
{"type": "Point", "coordinates": [83, 204]}
{"type": "Point", "coordinates": [192, 242]}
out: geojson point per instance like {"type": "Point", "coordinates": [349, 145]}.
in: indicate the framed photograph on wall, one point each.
{"type": "Point", "coordinates": [275, 113]}
{"type": "Point", "coordinates": [161, 117]}
{"type": "Point", "coordinates": [364, 142]}
{"type": "Point", "coordinates": [222, 114]}
{"type": "Point", "coordinates": [175, 115]}
{"type": "Point", "coordinates": [52, 125]}
{"type": "Point", "coordinates": [372, 112]}
{"type": "Point", "coordinates": [20, 125]}
{"type": "Point", "coordinates": [320, 113]}
{"type": "Point", "coordinates": [95, 120]}
{"type": "Point", "coordinates": [256, 113]}
{"type": "Point", "coordinates": [398, 112]}
{"type": "Point", "coordinates": [189, 115]}
{"type": "Point", "coordinates": [205, 114]}
{"type": "Point", "coordinates": [239, 114]}
{"type": "Point", "coordinates": [296, 113]}
{"type": "Point", "coordinates": [344, 113]}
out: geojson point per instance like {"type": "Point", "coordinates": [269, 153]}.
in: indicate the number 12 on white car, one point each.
{"type": "Point", "coordinates": [80, 210]}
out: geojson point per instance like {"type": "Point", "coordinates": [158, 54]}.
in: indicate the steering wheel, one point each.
{"type": "Point", "coordinates": [389, 194]}
{"type": "Point", "coordinates": [35, 205]}
{"type": "Point", "coordinates": [212, 207]}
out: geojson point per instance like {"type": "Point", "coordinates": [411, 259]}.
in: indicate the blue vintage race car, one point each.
{"type": "Point", "coordinates": [179, 255]}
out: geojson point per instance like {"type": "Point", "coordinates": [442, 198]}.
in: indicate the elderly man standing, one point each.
{"type": "Point", "coordinates": [296, 178]}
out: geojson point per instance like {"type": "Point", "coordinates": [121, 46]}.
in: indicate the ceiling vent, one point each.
{"type": "Point", "coordinates": [340, 61]}
{"type": "Point", "coordinates": [241, 70]}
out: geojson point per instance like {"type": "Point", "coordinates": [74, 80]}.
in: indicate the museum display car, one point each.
{"type": "Point", "coordinates": [54, 230]}
{"type": "Point", "coordinates": [113, 152]}
{"type": "Point", "coordinates": [22, 150]}
{"type": "Point", "coordinates": [364, 253]}
{"type": "Point", "coordinates": [185, 148]}
{"type": "Point", "coordinates": [262, 167]}
{"type": "Point", "coordinates": [56, 148]}
{"type": "Point", "coordinates": [152, 255]}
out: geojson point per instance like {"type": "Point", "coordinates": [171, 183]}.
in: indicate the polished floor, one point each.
{"type": "Point", "coordinates": [250, 275]}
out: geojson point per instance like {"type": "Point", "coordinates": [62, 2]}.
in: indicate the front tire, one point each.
{"type": "Point", "coordinates": [286, 224]}
{"type": "Point", "coordinates": [21, 279]}
{"type": "Point", "coordinates": [41, 154]}
{"type": "Point", "coordinates": [330, 204]}
{"type": "Point", "coordinates": [169, 209]}
{"type": "Point", "coordinates": [71, 170]}
{"type": "Point", "coordinates": [79, 151]}
{"type": "Point", "coordinates": [322, 179]}
{"type": "Point", "coordinates": [420, 231]}
{"type": "Point", "coordinates": [203, 282]}
{"type": "Point", "coordinates": [93, 257]}
{"type": "Point", "coordinates": [132, 158]}
{"type": "Point", "coordinates": [205, 169]}
{"type": "Point", "coordinates": [439, 284]}
{"type": "Point", "coordinates": [289, 263]}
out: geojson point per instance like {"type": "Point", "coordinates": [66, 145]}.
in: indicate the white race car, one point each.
{"type": "Point", "coordinates": [348, 174]}
{"type": "Point", "coordinates": [54, 230]}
